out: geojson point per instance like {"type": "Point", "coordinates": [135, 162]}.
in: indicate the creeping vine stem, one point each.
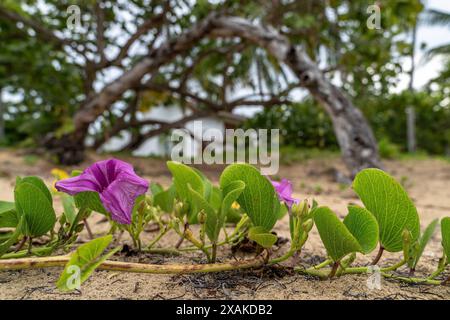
{"type": "Point", "coordinates": [61, 261]}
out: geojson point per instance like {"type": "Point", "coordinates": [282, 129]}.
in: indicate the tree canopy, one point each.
{"type": "Point", "coordinates": [98, 78]}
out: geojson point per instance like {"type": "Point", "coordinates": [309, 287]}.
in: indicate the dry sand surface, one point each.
{"type": "Point", "coordinates": [427, 181]}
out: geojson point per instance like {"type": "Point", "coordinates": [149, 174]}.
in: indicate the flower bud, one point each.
{"type": "Point", "coordinates": [301, 209]}
{"type": "Point", "coordinates": [407, 241]}
{"type": "Point", "coordinates": [178, 209]}
{"type": "Point", "coordinates": [175, 224]}
{"type": "Point", "coordinates": [307, 225]}
{"type": "Point", "coordinates": [351, 258]}
{"type": "Point", "coordinates": [407, 237]}
{"type": "Point", "coordinates": [201, 217]}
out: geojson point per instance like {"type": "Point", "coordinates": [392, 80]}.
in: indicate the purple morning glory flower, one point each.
{"type": "Point", "coordinates": [116, 183]}
{"type": "Point", "coordinates": [284, 191]}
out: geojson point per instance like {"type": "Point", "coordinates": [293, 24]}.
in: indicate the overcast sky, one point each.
{"type": "Point", "coordinates": [432, 37]}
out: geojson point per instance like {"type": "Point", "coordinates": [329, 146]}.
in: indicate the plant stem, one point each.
{"type": "Point", "coordinates": [188, 235]}
{"type": "Point", "coordinates": [21, 244]}
{"type": "Point", "coordinates": [60, 261]}
{"type": "Point", "coordinates": [88, 229]}
{"type": "Point", "coordinates": [378, 257]}
{"type": "Point", "coordinates": [440, 269]}
{"type": "Point", "coordinates": [334, 268]}
{"type": "Point", "coordinates": [358, 270]}
{"type": "Point", "coordinates": [412, 280]}
{"type": "Point", "coordinates": [323, 264]}
{"type": "Point", "coordinates": [213, 252]}
{"type": "Point", "coordinates": [284, 257]}
{"type": "Point", "coordinates": [355, 270]}
{"type": "Point", "coordinates": [186, 225]}
{"type": "Point", "coordinates": [24, 253]}
{"type": "Point", "coordinates": [312, 272]}
{"type": "Point", "coordinates": [30, 244]}
{"type": "Point", "coordinates": [395, 266]}
{"type": "Point", "coordinates": [158, 237]}
{"type": "Point", "coordinates": [209, 246]}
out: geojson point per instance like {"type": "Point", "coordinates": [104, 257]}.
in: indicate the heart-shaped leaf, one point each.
{"type": "Point", "coordinates": [39, 183]}
{"type": "Point", "coordinates": [445, 232]}
{"type": "Point", "coordinates": [258, 199]}
{"type": "Point", "coordinates": [337, 239]}
{"type": "Point", "coordinates": [156, 188]}
{"type": "Point", "coordinates": [33, 202]}
{"type": "Point", "coordinates": [69, 208]}
{"type": "Point", "coordinates": [207, 185]}
{"type": "Point", "coordinates": [212, 219]}
{"type": "Point", "coordinates": [231, 192]}
{"type": "Point", "coordinates": [8, 215]}
{"type": "Point", "coordinates": [165, 198]}
{"type": "Point", "coordinates": [183, 177]}
{"type": "Point", "coordinates": [216, 198]}
{"type": "Point", "coordinates": [363, 226]}
{"type": "Point", "coordinates": [6, 206]}
{"type": "Point", "coordinates": [84, 261]}
{"type": "Point", "coordinates": [262, 237]}
{"type": "Point", "coordinates": [386, 199]}
{"type": "Point", "coordinates": [89, 200]}
{"type": "Point", "coordinates": [13, 238]}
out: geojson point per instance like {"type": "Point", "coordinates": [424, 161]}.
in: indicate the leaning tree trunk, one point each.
{"type": "Point", "coordinates": [354, 135]}
{"type": "Point", "coordinates": [355, 138]}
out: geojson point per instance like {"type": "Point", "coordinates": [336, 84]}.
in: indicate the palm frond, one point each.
{"type": "Point", "coordinates": [443, 50]}
{"type": "Point", "coordinates": [434, 17]}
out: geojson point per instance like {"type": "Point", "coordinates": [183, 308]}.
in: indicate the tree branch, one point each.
{"type": "Point", "coordinates": [131, 78]}
{"type": "Point", "coordinates": [41, 31]}
{"type": "Point", "coordinates": [353, 133]}
{"type": "Point", "coordinates": [141, 30]}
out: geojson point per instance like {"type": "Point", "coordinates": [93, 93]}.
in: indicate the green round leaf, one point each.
{"type": "Point", "coordinates": [183, 177]}
{"type": "Point", "coordinates": [445, 230]}
{"type": "Point", "coordinates": [337, 239]}
{"type": "Point", "coordinates": [34, 205]}
{"type": "Point", "coordinates": [363, 226]}
{"type": "Point", "coordinates": [386, 199]}
{"type": "Point", "coordinates": [86, 258]}
{"type": "Point", "coordinates": [262, 237]}
{"type": "Point", "coordinates": [258, 199]}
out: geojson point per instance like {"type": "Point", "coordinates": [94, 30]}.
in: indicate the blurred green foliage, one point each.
{"type": "Point", "coordinates": [306, 125]}
{"type": "Point", "coordinates": [50, 82]}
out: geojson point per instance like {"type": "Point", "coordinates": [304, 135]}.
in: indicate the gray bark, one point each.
{"type": "Point", "coordinates": [355, 138]}
{"type": "Point", "coordinates": [410, 111]}
{"type": "Point", "coordinates": [354, 135]}
{"type": "Point", "coordinates": [2, 120]}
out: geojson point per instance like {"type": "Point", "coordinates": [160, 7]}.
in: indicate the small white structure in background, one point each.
{"type": "Point", "coordinates": [161, 145]}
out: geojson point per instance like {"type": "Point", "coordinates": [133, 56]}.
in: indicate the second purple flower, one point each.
{"type": "Point", "coordinates": [284, 191]}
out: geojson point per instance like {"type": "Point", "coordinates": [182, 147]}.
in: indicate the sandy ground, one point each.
{"type": "Point", "coordinates": [427, 181]}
